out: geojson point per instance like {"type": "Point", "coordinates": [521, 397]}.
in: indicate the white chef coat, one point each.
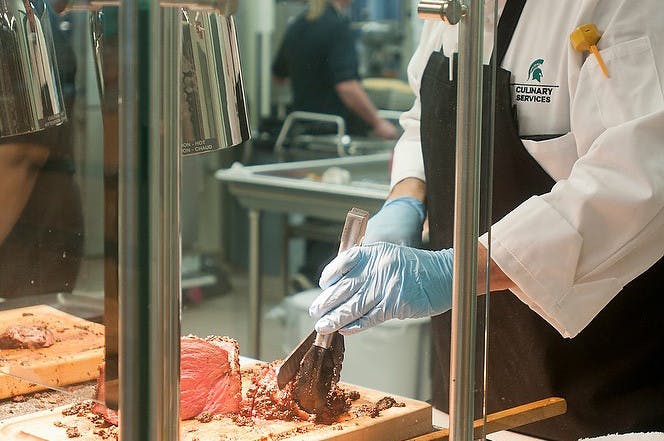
{"type": "Point", "coordinates": [570, 251]}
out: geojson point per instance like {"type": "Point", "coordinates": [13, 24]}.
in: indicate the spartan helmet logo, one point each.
{"type": "Point", "coordinates": [535, 72]}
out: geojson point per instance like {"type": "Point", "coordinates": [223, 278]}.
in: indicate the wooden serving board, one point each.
{"type": "Point", "coordinates": [74, 358]}
{"type": "Point", "coordinates": [394, 424]}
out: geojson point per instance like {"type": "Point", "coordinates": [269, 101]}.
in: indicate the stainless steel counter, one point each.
{"type": "Point", "coordinates": [295, 187]}
{"type": "Point", "coordinates": [291, 187]}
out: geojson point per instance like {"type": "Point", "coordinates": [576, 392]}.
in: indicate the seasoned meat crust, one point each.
{"type": "Point", "coordinates": [26, 337]}
{"type": "Point", "coordinates": [265, 400]}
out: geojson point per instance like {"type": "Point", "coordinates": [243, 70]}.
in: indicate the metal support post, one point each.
{"type": "Point", "coordinates": [132, 252]}
{"type": "Point", "coordinates": [255, 297]}
{"type": "Point", "coordinates": [165, 222]}
{"type": "Point", "coordinates": [466, 222]}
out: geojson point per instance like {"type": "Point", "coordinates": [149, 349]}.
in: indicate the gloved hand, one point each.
{"type": "Point", "coordinates": [399, 221]}
{"type": "Point", "coordinates": [369, 284]}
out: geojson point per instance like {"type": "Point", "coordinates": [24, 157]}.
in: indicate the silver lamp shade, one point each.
{"type": "Point", "coordinates": [30, 93]}
{"type": "Point", "coordinates": [214, 114]}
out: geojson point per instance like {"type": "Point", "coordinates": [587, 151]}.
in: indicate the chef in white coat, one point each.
{"type": "Point", "coordinates": [578, 218]}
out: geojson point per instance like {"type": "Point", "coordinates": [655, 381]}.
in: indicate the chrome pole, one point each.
{"type": "Point", "coordinates": [148, 224]}
{"type": "Point", "coordinates": [149, 248]}
{"type": "Point", "coordinates": [466, 222]}
{"type": "Point", "coordinates": [255, 282]}
{"type": "Point", "coordinates": [131, 253]}
{"type": "Point", "coordinates": [165, 233]}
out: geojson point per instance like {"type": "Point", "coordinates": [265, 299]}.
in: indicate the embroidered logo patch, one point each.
{"type": "Point", "coordinates": [533, 90]}
{"type": "Point", "coordinates": [535, 71]}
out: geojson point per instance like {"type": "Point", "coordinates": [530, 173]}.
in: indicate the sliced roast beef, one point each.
{"type": "Point", "coordinates": [26, 337]}
{"type": "Point", "coordinates": [110, 415]}
{"type": "Point", "coordinates": [210, 380]}
{"type": "Point", "coordinates": [210, 384]}
{"type": "Point", "coordinates": [209, 376]}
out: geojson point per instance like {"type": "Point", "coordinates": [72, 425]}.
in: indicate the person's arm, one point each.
{"type": "Point", "coordinates": [280, 70]}
{"type": "Point", "coordinates": [19, 169]}
{"type": "Point", "coordinates": [570, 251]}
{"type": "Point", "coordinates": [412, 187]}
{"type": "Point", "coordinates": [356, 99]}
{"type": "Point", "coordinates": [407, 161]}
{"type": "Point", "coordinates": [498, 280]}
{"type": "Point", "coordinates": [402, 217]}
{"type": "Point", "coordinates": [400, 220]}
{"type": "Point", "coordinates": [342, 68]}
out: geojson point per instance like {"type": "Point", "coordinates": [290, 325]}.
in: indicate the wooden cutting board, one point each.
{"type": "Point", "coordinates": [394, 424]}
{"type": "Point", "coordinates": [74, 358]}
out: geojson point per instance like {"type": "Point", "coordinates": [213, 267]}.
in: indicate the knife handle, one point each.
{"type": "Point", "coordinates": [354, 228]}
{"type": "Point", "coordinates": [352, 234]}
{"type": "Point", "coordinates": [323, 341]}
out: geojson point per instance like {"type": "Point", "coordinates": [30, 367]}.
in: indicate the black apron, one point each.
{"type": "Point", "coordinates": [609, 374]}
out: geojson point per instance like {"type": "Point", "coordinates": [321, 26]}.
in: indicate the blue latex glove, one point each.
{"type": "Point", "coordinates": [367, 285]}
{"type": "Point", "coordinates": [399, 221]}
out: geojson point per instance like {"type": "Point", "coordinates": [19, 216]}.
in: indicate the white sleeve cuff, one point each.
{"type": "Point", "coordinates": [539, 250]}
{"type": "Point", "coordinates": [407, 162]}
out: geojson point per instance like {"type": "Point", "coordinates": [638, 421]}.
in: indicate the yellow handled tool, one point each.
{"type": "Point", "coordinates": [585, 38]}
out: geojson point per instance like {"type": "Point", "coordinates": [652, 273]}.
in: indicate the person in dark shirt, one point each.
{"type": "Point", "coordinates": [318, 55]}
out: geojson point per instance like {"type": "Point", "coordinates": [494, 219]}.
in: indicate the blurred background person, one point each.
{"type": "Point", "coordinates": [319, 57]}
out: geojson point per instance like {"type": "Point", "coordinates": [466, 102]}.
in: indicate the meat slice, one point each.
{"type": "Point", "coordinates": [110, 415]}
{"type": "Point", "coordinates": [26, 337]}
{"type": "Point", "coordinates": [210, 380]}
{"type": "Point", "coordinates": [209, 376]}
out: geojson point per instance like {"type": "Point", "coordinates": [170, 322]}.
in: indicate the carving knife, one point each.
{"type": "Point", "coordinates": [28, 376]}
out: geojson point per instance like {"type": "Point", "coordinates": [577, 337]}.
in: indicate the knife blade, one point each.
{"type": "Point", "coordinates": [287, 371]}
{"type": "Point", "coordinates": [30, 377]}
{"type": "Point", "coordinates": [352, 234]}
